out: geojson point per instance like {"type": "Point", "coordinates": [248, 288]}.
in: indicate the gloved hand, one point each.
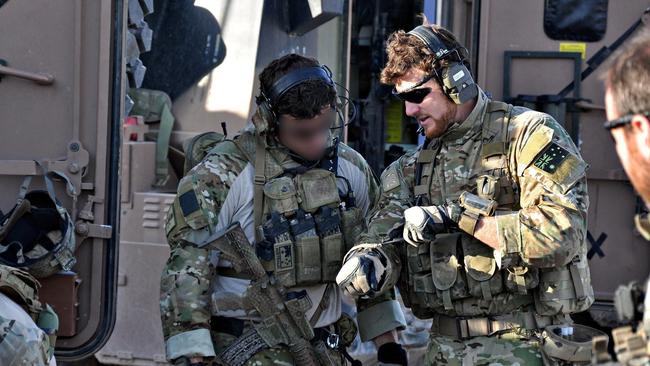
{"type": "Point", "coordinates": [362, 273]}
{"type": "Point", "coordinates": [422, 223]}
{"type": "Point", "coordinates": [392, 353]}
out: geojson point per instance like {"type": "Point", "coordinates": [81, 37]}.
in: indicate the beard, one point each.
{"type": "Point", "coordinates": [639, 172]}
{"type": "Point", "coordinates": [441, 125]}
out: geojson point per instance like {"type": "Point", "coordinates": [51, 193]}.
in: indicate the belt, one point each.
{"type": "Point", "coordinates": [464, 328]}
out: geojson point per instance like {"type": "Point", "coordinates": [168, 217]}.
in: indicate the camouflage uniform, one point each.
{"type": "Point", "coordinates": [488, 305]}
{"type": "Point", "coordinates": [197, 288]}
{"type": "Point", "coordinates": [22, 342]}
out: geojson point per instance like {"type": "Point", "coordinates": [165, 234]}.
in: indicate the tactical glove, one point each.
{"type": "Point", "coordinates": [362, 273]}
{"type": "Point", "coordinates": [422, 223]}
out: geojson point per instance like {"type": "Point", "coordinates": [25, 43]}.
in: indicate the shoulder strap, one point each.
{"type": "Point", "coordinates": [260, 180]}
{"type": "Point", "coordinates": [502, 144]}
{"type": "Point", "coordinates": [424, 173]}
{"type": "Point", "coordinates": [499, 146]}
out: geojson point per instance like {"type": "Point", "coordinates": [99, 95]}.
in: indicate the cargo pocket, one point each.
{"type": "Point", "coordinates": [424, 291]}
{"type": "Point", "coordinates": [281, 196]}
{"type": "Point", "coordinates": [483, 279]}
{"type": "Point", "coordinates": [521, 279]}
{"type": "Point", "coordinates": [317, 188]}
{"type": "Point", "coordinates": [421, 292]}
{"type": "Point", "coordinates": [449, 280]}
{"type": "Point", "coordinates": [308, 260]}
{"type": "Point", "coordinates": [333, 251]}
{"type": "Point", "coordinates": [564, 290]}
{"type": "Point", "coordinates": [285, 259]}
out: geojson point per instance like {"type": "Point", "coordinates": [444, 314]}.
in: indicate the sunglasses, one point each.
{"type": "Point", "coordinates": [414, 94]}
{"type": "Point", "coordinates": [622, 121]}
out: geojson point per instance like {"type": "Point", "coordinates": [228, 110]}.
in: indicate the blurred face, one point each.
{"type": "Point", "coordinates": [633, 147]}
{"type": "Point", "coordinates": [435, 113]}
{"type": "Point", "coordinates": [307, 137]}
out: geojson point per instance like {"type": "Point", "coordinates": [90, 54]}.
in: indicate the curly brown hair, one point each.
{"type": "Point", "coordinates": [406, 52]}
{"type": "Point", "coordinates": [307, 99]}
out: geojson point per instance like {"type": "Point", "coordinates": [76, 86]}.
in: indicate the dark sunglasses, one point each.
{"type": "Point", "coordinates": [414, 94]}
{"type": "Point", "coordinates": [622, 121]}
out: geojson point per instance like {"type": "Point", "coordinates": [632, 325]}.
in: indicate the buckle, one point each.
{"type": "Point", "coordinates": [332, 341]}
{"type": "Point", "coordinates": [65, 258]}
{"type": "Point", "coordinates": [260, 179]}
{"type": "Point", "coordinates": [474, 327]}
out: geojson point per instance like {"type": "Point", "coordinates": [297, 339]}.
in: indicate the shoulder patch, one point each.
{"type": "Point", "coordinates": [390, 179]}
{"type": "Point", "coordinates": [551, 158]}
{"type": "Point", "coordinates": [188, 203]}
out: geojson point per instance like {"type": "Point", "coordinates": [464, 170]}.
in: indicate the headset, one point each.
{"type": "Point", "coordinates": [268, 99]}
{"type": "Point", "coordinates": [456, 80]}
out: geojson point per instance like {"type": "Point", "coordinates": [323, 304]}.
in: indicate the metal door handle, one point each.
{"type": "Point", "coordinates": [40, 79]}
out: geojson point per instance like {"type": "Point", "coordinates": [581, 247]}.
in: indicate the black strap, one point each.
{"type": "Point", "coordinates": [296, 77]}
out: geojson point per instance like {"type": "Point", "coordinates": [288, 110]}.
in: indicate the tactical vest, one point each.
{"type": "Point", "coordinates": [22, 288]}
{"type": "Point", "coordinates": [304, 223]}
{"type": "Point", "coordinates": [457, 266]}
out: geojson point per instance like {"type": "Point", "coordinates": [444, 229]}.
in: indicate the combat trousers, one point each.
{"type": "Point", "coordinates": [514, 347]}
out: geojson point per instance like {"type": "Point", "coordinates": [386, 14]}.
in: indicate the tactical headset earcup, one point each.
{"type": "Point", "coordinates": [458, 83]}
{"type": "Point", "coordinates": [266, 113]}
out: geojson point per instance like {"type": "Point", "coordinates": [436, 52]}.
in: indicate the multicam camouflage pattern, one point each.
{"type": "Point", "coordinates": [188, 279]}
{"type": "Point", "coordinates": [509, 350]}
{"type": "Point", "coordinates": [185, 283]}
{"type": "Point", "coordinates": [541, 218]}
{"type": "Point", "coordinates": [21, 341]}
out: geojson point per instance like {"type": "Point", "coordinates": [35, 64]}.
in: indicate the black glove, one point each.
{"type": "Point", "coordinates": [392, 353]}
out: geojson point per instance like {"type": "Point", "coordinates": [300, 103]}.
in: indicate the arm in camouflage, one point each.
{"type": "Point", "coordinates": [549, 229]}
{"type": "Point", "coordinates": [395, 195]}
{"type": "Point", "coordinates": [386, 220]}
{"type": "Point", "coordinates": [186, 277]}
{"type": "Point", "coordinates": [381, 314]}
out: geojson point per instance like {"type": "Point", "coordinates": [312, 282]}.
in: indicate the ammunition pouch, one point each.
{"type": "Point", "coordinates": [564, 290]}
{"type": "Point", "coordinates": [308, 228]}
{"type": "Point", "coordinates": [457, 266]}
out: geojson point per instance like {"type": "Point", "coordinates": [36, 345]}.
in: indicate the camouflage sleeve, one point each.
{"type": "Point", "coordinates": [185, 281]}
{"type": "Point", "coordinates": [551, 225]}
{"type": "Point", "coordinates": [395, 196]}
{"type": "Point", "coordinates": [382, 313]}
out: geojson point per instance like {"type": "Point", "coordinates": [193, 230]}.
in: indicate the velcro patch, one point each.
{"type": "Point", "coordinates": [551, 157]}
{"type": "Point", "coordinates": [390, 180]}
{"type": "Point", "coordinates": [188, 203]}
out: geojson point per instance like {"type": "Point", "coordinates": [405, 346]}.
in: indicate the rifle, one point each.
{"type": "Point", "coordinates": [282, 321]}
